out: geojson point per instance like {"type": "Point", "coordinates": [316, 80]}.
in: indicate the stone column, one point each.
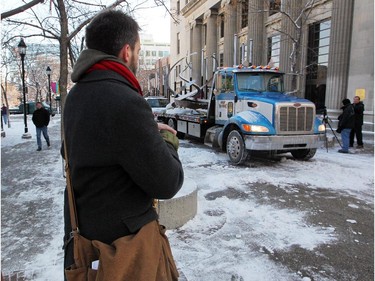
{"type": "Point", "coordinates": [256, 32]}
{"type": "Point", "coordinates": [230, 24]}
{"type": "Point", "coordinates": [196, 28]}
{"type": "Point", "coordinates": [211, 44]}
{"type": "Point", "coordinates": [339, 53]}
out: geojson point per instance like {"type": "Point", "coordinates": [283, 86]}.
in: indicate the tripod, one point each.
{"type": "Point", "coordinates": [325, 121]}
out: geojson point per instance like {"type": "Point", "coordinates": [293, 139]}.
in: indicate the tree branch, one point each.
{"type": "Point", "coordinates": [84, 23]}
{"type": "Point", "coordinates": [20, 9]}
{"type": "Point", "coordinates": [44, 31]}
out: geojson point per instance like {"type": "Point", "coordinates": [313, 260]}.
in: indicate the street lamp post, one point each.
{"type": "Point", "coordinates": [22, 52]}
{"type": "Point", "coordinates": [48, 72]}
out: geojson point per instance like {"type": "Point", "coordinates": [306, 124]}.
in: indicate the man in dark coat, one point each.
{"type": "Point", "coordinates": [359, 108]}
{"type": "Point", "coordinates": [120, 159]}
{"type": "Point", "coordinates": [41, 120]}
{"type": "Point", "coordinates": [346, 124]}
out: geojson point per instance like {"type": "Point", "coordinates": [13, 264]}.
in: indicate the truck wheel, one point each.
{"type": "Point", "coordinates": [303, 154]}
{"type": "Point", "coordinates": [236, 149]}
{"type": "Point", "coordinates": [173, 124]}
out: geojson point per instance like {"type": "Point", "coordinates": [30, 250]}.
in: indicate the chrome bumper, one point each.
{"type": "Point", "coordinates": [283, 142]}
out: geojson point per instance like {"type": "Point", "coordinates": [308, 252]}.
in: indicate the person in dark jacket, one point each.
{"type": "Point", "coordinates": [359, 108]}
{"type": "Point", "coordinates": [41, 119]}
{"type": "Point", "coordinates": [120, 158]}
{"type": "Point", "coordinates": [346, 124]}
{"type": "Point", "coordinates": [4, 113]}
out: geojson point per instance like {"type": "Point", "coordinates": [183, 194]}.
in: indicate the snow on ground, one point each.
{"type": "Point", "coordinates": [231, 232]}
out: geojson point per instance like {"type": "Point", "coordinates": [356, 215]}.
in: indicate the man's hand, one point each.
{"type": "Point", "coordinates": [162, 126]}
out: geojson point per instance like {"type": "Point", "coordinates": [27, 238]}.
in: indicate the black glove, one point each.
{"type": "Point", "coordinates": [338, 130]}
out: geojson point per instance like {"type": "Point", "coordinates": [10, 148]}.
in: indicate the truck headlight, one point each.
{"type": "Point", "coordinates": [321, 128]}
{"type": "Point", "coordinates": [255, 128]}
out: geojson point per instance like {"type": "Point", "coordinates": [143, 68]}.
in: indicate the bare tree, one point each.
{"type": "Point", "coordinates": [62, 23]}
{"type": "Point", "coordinates": [20, 9]}
{"type": "Point", "coordinates": [294, 18]}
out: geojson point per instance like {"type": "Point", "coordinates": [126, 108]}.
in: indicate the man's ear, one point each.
{"type": "Point", "coordinates": [125, 53]}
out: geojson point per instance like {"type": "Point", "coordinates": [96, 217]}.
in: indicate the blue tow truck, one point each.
{"type": "Point", "coordinates": [247, 110]}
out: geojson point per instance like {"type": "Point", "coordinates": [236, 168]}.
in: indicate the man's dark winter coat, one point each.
{"type": "Point", "coordinates": [118, 160]}
{"type": "Point", "coordinates": [346, 119]}
{"type": "Point", "coordinates": [41, 117]}
{"type": "Point", "coordinates": [359, 108]}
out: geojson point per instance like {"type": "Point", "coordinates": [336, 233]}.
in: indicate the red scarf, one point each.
{"type": "Point", "coordinates": [120, 69]}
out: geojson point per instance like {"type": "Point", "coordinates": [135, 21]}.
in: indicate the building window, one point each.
{"type": "Point", "coordinates": [221, 59]}
{"type": "Point", "coordinates": [205, 34]}
{"type": "Point", "coordinates": [275, 6]}
{"type": "Point", "coordinates": [317, 54]}
{"type": "Point", "coordinates": [317, 62]}
{"type": "Point", "coordinates": [273, 54]}
{"type": "Point", "coordinates": [244, 13]}
{"type": "Point", "coordinates": [222, 26]}
{"type": "Point", "coordinates": [178, 43]}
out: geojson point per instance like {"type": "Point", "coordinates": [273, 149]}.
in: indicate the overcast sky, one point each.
{"type": "Point", "coordinates": [152, 20]}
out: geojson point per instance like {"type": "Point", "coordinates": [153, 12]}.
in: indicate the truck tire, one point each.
{"type": "Point", "coordinates": [236, 149]}
{"type": "Point", "coordinates": [303, 154]}
{"type": "Point", "coordinates": [173, 124]}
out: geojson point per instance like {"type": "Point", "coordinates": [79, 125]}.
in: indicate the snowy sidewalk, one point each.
{"type": "Point", "coordinates": [31, 199]}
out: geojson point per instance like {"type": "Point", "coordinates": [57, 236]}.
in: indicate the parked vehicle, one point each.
{"type": "Point", "coordinates": [248, 110]}
{"type": "Point", "coordinates": [31, 107]}
{"type": "Point", "coordinates": [158, 104]}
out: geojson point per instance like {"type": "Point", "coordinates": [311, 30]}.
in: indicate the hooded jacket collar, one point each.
{"type": "Point", "coordinates": [87, 59]}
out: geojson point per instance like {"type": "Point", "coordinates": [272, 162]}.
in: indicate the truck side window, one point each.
{"type": "Point", "coordinates": [274, 84]}
{"type": "Point", "coordinates": [225, 83]}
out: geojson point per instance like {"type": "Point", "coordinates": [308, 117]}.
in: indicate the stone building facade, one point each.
{"type": "Point", "coordinates": [325, 47]}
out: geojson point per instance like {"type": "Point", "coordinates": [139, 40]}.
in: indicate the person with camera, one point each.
{"type": "Point", "coordinates": [346, 124]}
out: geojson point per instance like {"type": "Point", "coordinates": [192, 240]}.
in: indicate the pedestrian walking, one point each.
{"type": "Point", "coordinates": [4, 113]}
{"type": "Point", "coordinates": [359, 108]}
{"type": "Point", "coordinates": [120, 159]}
{"type": "Point", "coordinates": [346, 124]}
{"type": "Point", "coordinates": [41, 118]}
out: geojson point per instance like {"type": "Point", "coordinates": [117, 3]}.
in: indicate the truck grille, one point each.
{"type": "Point", "coordinates": [294, 119]}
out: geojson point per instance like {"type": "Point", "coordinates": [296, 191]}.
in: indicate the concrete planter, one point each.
{"type": "Point", "coordinates": [175, 212]}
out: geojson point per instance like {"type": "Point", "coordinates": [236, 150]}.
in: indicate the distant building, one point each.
{"type": "Point", "coordinates": [153, 66]}
{"type": "Point", "coordinates": [336, 46]}
{"type": "Point", "coordinates": [151, 51]}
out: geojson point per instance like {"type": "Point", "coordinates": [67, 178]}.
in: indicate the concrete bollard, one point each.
{"type": "Point", "coordinates": [175, 212]}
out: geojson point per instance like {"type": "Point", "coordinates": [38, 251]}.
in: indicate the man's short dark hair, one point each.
{"type": "Point", "coordinates": [110, 31]}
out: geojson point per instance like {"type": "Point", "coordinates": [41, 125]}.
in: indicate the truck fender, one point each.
{"type": "Point", "coordinates": [249, 117]}
{"type": "Point", "coordinates": [317, 123]}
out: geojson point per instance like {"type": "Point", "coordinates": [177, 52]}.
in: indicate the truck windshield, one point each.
{"type": "Point", "coordinates": [260, 82]}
